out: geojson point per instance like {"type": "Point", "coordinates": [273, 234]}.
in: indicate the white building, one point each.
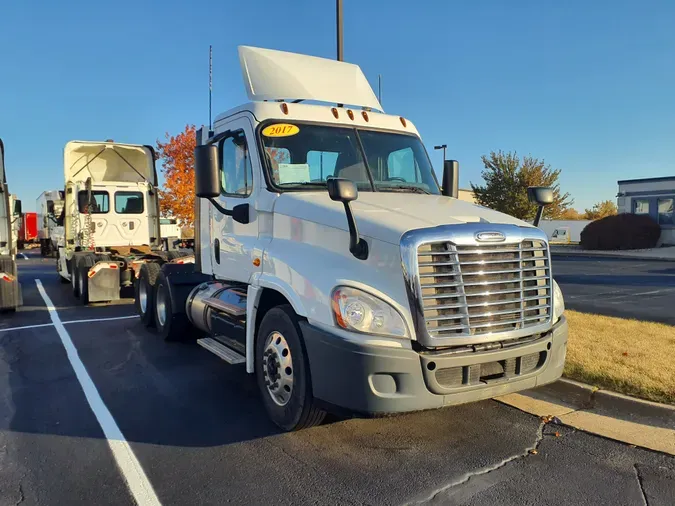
{"type": "Point", "coordinates": [653, 196]}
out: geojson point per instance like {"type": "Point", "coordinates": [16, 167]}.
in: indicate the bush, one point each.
{"type": "Point", "coordinates": [621, 231]}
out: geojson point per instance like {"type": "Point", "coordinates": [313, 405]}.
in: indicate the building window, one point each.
{"type": "Point", "coordinates": [640, 206]}
{"type": "Point", "coordinates": [666, 212]}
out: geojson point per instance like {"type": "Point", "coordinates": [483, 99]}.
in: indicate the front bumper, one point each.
{"type": "Point", "coordinates": [377, 380]}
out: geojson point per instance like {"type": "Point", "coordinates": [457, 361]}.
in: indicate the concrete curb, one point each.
{"type": "Point", "coordinates": [602, 412]}
{"type": "Point", "coordinates": [587, 254]}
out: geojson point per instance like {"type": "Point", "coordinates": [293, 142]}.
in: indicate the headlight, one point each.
{"type": "Point", "coordinates": [558, 302]}
{"type": "Point", "coordinates": [357, 310]}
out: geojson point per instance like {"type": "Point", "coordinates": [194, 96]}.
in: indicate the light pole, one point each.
{"type": "Point", "coordinates": [443, 147]}
{"type": "Point", "coordinates": [338, 7]}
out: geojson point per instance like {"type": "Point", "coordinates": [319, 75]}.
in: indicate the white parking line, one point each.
{"type": "Point", "coordinates": [23, 255]}
{"type": "Point", "coordinates": [25, 327]}
{"type": "Point", "coordinates": [132, 472]}
{"type": "Point", "coordinates": [102, 319]}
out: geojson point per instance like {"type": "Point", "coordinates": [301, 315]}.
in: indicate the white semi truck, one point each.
{"type": "Point", "coordinates": [330, 262]}
{"type": "Point", "coordinates": [50, 215]}
{"type": "Point", "coordinates": [110, 217]}
{"type": "Point", "coordinates": [10, 213]}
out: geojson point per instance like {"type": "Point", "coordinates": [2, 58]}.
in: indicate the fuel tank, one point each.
{"type": "Point", "coordinates": [218, 308]}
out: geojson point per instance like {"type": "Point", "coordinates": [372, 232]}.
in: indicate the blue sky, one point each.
{"type": "Point", "coordinates": [589, 86]}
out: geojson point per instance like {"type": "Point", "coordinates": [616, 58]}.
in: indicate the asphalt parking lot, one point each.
{"type": "Point", "coordinates": [200, 435]}
{"type": "Point", "coordinates": [641, 289]}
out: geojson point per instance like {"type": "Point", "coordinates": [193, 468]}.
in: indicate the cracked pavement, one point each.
{"type": "Point", "coordinates": [200, 433]}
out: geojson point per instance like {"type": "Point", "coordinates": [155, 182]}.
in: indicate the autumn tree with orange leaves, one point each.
{"type": "Point", "coordinates": [177, 198]}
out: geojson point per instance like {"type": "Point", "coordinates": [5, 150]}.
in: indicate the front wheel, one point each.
{"type": "Point", "coordinates": [282, 371]}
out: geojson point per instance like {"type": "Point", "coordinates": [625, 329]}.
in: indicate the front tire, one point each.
{"type": "Point", "coordinates": [145, 293]}
{"type": "Point", "coordinates": [282, 371]}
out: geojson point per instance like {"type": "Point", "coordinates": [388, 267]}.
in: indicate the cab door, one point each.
{"type": "Point", "coordinates": [232, 243]}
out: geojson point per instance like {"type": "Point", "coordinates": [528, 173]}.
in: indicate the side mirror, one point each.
{"type": "Point", "coordinates": [207, 171]}
{"type": "Point", "coordinates": [450, 178]}
{"type": "Point", "coordinates": [50, 207]}
{"type": "Point", "coordinates": [17, 207]}
{"type": "Point", "coordinates": [345, 191]}
{"type": "Point", "coordinates": [342, 190]}
{"type": "Point", "coordinates": [542, 196]}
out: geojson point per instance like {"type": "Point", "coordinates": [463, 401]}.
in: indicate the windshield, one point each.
{"type": "Point", "coordinates": [302, 156]}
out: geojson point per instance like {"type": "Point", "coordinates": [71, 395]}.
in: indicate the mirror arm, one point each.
{"type": "Point", "coordinates": [235, 215]}
{"type": "Point", "coordinates": [537, 218]}
{"type": "Point", "coordinates": [219, 207]}
{"type": "Point", "coordinates": [357, 246]}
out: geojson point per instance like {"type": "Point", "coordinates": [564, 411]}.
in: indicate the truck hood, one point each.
{"type": "Point", "coordinates": [386, 216]}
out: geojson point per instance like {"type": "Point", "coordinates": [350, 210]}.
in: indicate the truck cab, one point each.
{"type": "Point", "coordinates": [331, 263]}
{"type": "Point", "coordinates": [10, 216]}
{"type": "Point", "coordinates": [50, 218]}
{"type": "Point", "coordinates": [110, 216]}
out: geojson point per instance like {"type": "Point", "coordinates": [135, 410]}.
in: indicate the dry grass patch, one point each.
{"type": "Point", "coordinates": [628, 356]}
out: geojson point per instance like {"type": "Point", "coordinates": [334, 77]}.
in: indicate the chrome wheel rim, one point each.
{"type": "Point", "coordinates": [277, 367]}
{"type": "Point", "coordinates": [143, 295]}
{"type": "Point", "coordinates": [161, 306]}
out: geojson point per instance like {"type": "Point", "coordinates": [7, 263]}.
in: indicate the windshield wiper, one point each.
{"type": "Point", "coordinates": [402, 188]}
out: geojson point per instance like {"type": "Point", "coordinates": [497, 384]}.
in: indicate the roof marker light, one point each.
{"type": "Point", "coordinates": [335, 112]}
{"type": "Point", "coordinates": [284, 107]}
{"type": "Point", "coordinates": [365, 115]}
{"type": "Point", "coordinates": [403, 121]}
{"type": "Point", "coordinates": [350, 114]}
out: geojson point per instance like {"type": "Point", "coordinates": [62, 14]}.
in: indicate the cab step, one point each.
{"type": "Point", "coordinates": [227, 354]}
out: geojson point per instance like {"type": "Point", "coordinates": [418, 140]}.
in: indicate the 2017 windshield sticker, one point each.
{"type": "Point", "coordinates": [280, 130]}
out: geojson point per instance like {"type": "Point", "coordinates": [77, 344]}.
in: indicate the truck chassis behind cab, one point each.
{"type": "Point", "coordinates": [329, 261]}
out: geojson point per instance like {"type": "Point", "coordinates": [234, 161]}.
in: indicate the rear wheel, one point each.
{"type": "Point", "coordinates": [85, 263]}
{"type": "Point", "coordinates": [74, 275]}
{"type": "Point", "coordinates": [145, 293]}
{"type": "Point", "coordinates": [171, 325]}
{"type": "Point", "coordinates": [282, 371]}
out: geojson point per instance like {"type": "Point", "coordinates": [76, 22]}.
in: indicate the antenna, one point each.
{"type": "Point", "coordinates": [210, 86]}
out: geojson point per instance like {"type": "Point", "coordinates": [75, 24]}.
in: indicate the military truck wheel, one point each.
{"type": "Point", "coordinates": [282, 371]}
{"type": "Point", "coordinates": [145, 293]}
{"type": "Point", "coordinates": [171, 324]}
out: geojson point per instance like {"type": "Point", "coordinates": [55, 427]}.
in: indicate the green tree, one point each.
{"type": "Point", "coordinates": [507, 179]}
{"type": "Point", "coordinates": [600, 210]}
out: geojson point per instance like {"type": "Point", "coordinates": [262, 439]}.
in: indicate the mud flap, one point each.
{"type": "Point", "coordinates": [104, 283]}
{"type": "Point", "coordinates": [10, 289]}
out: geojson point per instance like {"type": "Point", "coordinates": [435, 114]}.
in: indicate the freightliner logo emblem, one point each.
{"type": "Point", "coordinates": [490, 237]}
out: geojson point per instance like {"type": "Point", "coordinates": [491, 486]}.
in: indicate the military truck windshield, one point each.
{"type": "Point", "coordinates": [302, 156]}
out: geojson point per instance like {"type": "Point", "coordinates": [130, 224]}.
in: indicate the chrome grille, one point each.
{"type": "Point", "coordinates": [469, 290]}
